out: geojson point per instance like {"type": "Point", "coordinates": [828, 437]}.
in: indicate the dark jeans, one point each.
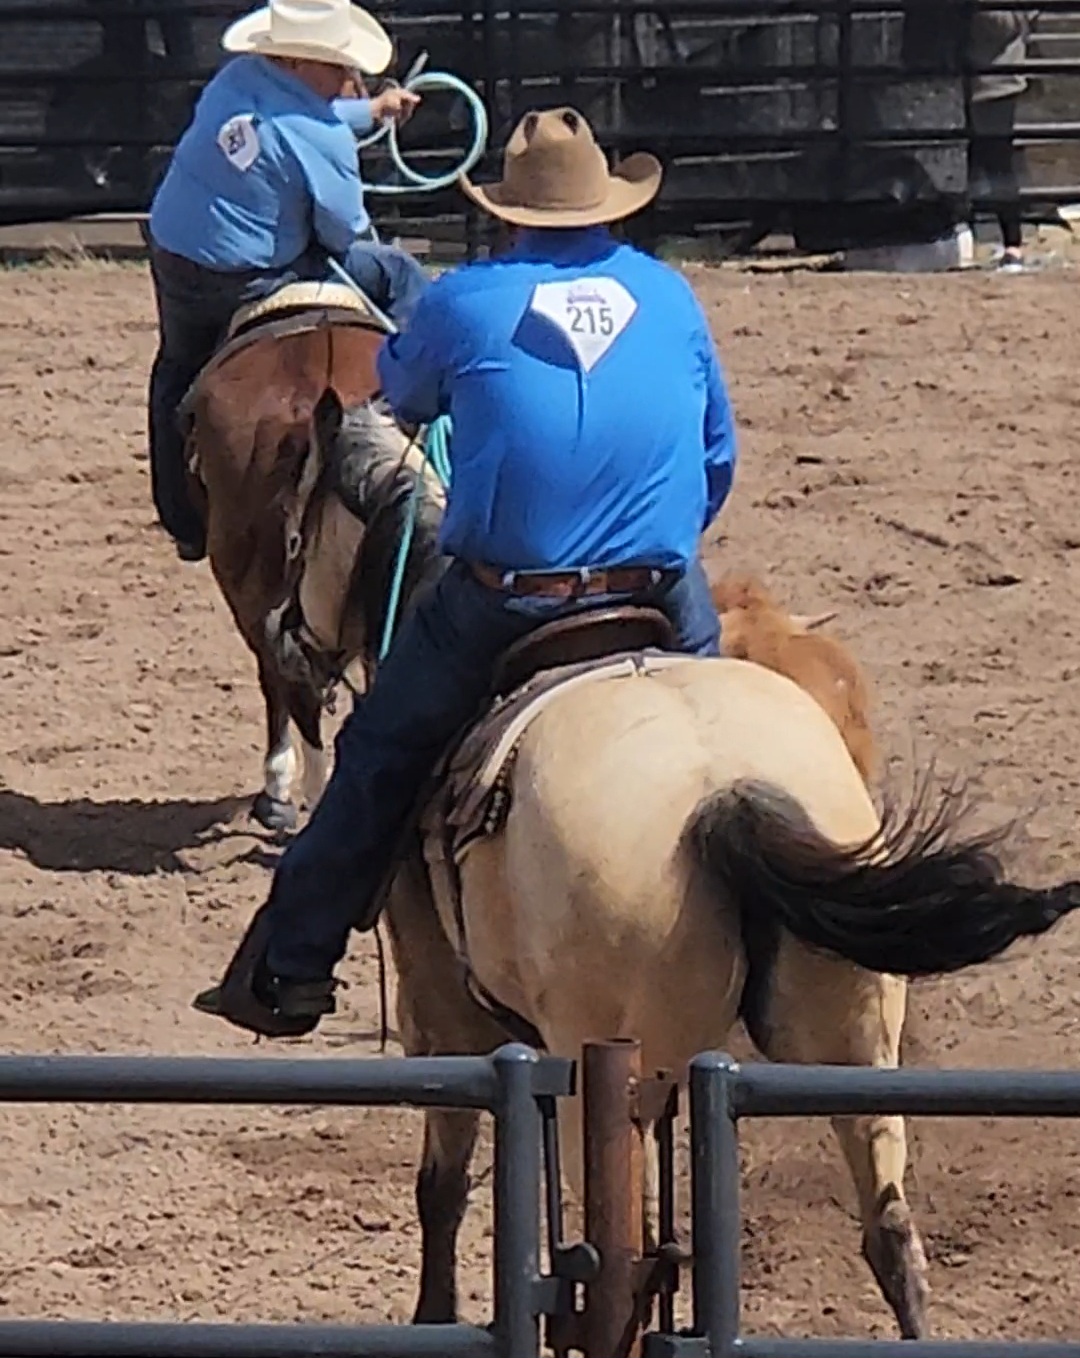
{"type": "Point", "coordinates": [195, 305]}
{"type": "Point", "coordinates": [434, 680]}
{"type": "Point", "coordinates": [995, 164]}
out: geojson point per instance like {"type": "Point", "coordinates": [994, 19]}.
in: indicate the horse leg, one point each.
{"type": "Point", "coordinates": [442, 1195]}
{"type": "Point", "coordinates": [273, 807]}
{"type": "Point", "coordinates": [820, 1010]}
{"type": "Point", "coordinates": [436, 1016]}
{"type": "Point", "coordinates": [305, 709]}
{"type": "Point", "coordinates": [314, 764]}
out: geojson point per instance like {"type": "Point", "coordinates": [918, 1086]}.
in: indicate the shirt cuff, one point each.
{"type": "Point", "coordinates": [355, 114]}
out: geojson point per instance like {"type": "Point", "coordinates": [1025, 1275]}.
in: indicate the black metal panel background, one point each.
{"type": "Point", "coordinates": [841, 120]}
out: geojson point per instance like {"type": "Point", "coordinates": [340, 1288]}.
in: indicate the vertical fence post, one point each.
{"type": "Point", "coordinates": [614, 1198]}
{"type": "Point", "coordinates": [517, 1204]}
{"type": "Point", "coordinates": [717, 1232]}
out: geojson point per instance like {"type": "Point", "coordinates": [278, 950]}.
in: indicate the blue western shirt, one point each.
{"type": "Point", "coordinates": [591, 421]}
{"type": "Point", "coordinates": [264, 164]}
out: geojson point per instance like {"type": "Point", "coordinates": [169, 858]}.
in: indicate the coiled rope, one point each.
{"type": "Point", "coordinates": [419, 82]}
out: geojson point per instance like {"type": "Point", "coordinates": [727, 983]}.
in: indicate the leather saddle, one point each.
{"type": "Point", "coordinates": [592, 635]}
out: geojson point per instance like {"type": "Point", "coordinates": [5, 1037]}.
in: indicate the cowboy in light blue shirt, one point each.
{"type": "Point", "coordinates": [266, 162]}
{"type": "Point", "coordinates": [263, 188]}
{"type": "Point", "coordinates": [593, 442]}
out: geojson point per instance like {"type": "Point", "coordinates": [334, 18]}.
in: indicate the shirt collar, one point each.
{"type": "Point", "coordinates": [579, 245]}
{"type": "Point", "coordinates": [285, 80]}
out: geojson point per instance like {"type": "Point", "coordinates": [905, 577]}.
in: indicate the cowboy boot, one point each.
{"type": "Point", "coordinates": [251, 997]}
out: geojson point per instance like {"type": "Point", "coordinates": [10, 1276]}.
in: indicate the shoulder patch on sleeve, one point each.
{"type": "Point", "coordinates": [239, 141]}
{"type": "Point", "coordinates": [591, 312]}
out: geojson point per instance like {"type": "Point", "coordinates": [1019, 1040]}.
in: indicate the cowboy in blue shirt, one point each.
{"type": "Point", "coordinates": [262, 187]}
{"type": "Point", "coordinates": [593, 437]}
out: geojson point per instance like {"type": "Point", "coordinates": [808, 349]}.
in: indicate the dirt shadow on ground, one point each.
{"type": "Point", "coordinates": [133, 837]}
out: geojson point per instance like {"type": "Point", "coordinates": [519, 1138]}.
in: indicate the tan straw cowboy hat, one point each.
{"type": "Point", "coordinates": [333, 31]}
{"type": "Point", "coordinates": [554, 174]}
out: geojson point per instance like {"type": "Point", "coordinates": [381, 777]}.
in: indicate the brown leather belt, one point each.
{"type": "Point", "coordinates": [573, 584]}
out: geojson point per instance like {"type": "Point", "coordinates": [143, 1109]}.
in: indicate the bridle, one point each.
{"type": "Point", "coordinates": [301, 654]}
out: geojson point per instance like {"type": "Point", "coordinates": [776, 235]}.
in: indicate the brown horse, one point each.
{"type": "Point", "coordinates": [288, 557]}
{"type": "Point", "coordinates": [754, 627]}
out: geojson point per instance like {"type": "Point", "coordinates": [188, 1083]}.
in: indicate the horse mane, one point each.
{"type": "Point", "coordinates": [364, 456]}
{"type": "Point", "coordinates": [754, 627]}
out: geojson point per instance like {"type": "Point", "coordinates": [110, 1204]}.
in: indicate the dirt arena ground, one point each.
{"type": "Point", "coordinates": [908, 458]}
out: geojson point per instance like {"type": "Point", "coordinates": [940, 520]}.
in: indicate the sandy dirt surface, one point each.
{"type": "Point", "coordinates": [909, 456]}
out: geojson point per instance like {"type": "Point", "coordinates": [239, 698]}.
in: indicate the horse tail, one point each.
{"type": "Point", "coordinates": [918, 899]}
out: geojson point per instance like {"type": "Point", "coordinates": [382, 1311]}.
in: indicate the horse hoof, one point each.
{"type": "Point", "coordinates": [273, 815]}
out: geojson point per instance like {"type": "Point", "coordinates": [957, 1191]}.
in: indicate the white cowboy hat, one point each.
{"type": "Point", "coordinates": [333, 31]}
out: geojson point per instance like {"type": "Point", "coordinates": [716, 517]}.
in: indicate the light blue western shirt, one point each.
{"type": "Point", "coordinates": [265, 166]}
{"type": "Point", "coordinates": [591, 421]}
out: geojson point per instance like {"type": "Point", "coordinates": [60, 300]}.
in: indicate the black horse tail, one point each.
{"type": "Point", "coordinates": [918, 899]}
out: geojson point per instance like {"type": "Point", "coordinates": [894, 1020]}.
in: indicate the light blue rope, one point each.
{"type": "Point", "coordinates": [426, 183]}
{"type": "Point", "coordinates": [437, 456]}
{"type": "Point", "coordinates": [436, 449]}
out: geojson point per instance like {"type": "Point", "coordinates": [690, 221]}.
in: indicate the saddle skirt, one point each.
{"type": "Point", "coordinates": [472, 796]}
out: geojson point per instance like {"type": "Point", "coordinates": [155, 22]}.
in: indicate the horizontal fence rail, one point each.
{"type": "Point", "coordinates": [117, 1339]}
{"type": "Point", "coordinates": [413, 1081]}
{"type": "Point", "coordinates": [722, 1092]}
{"type": "Point", "coordinates": [512, 1084]}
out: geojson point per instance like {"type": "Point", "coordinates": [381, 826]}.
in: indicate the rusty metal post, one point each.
{"type": "Point", "coordinates": [615, 1309]}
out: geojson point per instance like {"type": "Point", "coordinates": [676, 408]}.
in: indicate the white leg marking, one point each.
{"type": "Point", "coordinates": [314, 777]}
{"type": "Point", "coordinates": [279, 769]}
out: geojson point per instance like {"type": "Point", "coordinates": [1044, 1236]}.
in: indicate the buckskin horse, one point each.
{"type": "Point", "coordinates": [632, 843]}
{"type": "Point", "coordinates": [291, 563]}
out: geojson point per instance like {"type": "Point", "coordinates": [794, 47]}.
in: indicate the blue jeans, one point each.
{"type": "Point", "coordinates": [393, 279]}
{"type": "Point", "coordinates": [433, 681]}
{"type": "Point", "coordinates": [195, 305]}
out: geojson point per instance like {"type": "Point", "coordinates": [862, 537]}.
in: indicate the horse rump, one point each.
{"type": "Point", "coordinates": [918, 899]}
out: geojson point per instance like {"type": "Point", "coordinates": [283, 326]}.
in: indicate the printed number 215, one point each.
{"type": "Point", "coordinates": [591, 319]}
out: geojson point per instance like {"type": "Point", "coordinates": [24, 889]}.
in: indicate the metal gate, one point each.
{"type": "Point", "coordinates": [722, 1093]}
{"type": "Point", "coordinates": [514, 1084]}
{"type": "Point", "coordinates": [598, 1294]}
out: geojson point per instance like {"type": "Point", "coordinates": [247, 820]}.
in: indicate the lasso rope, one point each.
{"type": "Point", "coordinates": [436, 450]}
{"type": "Point", "coordinates": [417, 82]}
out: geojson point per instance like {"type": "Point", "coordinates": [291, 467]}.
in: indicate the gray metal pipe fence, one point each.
{"type": "Point", "coordinates": [722, 1092]}
{"type": "Point", "coordinates": [516, 1085]}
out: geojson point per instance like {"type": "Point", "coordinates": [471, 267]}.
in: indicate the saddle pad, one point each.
{"type": "Point", "coordinates": [293, 295]}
